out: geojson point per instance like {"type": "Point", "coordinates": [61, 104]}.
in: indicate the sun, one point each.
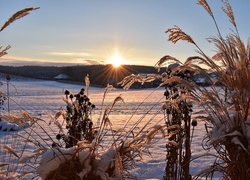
{"type": "Point", "coordinates": [116, 59]}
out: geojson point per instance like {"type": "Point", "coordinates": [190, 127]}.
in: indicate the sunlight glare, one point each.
{"type": "Point", "coordinates": [116, 59]}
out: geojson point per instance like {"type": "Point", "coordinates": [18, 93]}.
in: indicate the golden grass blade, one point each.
{"type": "Point", "coordinates": [117, 99]}
{"type": "Point", "coordinates": [3, 52]}
{"type": "Point", "coordinates": [60, 113]}
{"type": "Point", "coordinates": [69, 104]}
{"type": "Point", "coordinates": [128, 81]}
{"type": "Point", "coordinates": [155, 129]}
{"type": "Point", "coordinates": [118, 164]}
{"type": "Point", "coordinates": [9, 149]}
{"type": "Point", "coordinates": [107, 89]}
{"type": "Point", "coordinates": [27, 116]}
{"type": "Point", "coordinates": [23, 159]}
{"type": "Point", "coordinates": [152, 77]}
{"type": "Point", "coordinates": [17, 16]}
{"type": "Point", "coordinates": [12, 118]}
{"type": "Point", "coordinates": [107, 121]}
{"type": "Point", "coordinates": [194, 59]}
{"type": "Point", "coordinates": [165, 60]}
{"type": "Point", "coordinates": [218, 56]}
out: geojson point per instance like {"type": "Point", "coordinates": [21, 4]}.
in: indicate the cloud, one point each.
{"type": "Point", "coordinates": [89, 61]}
{"type": "Point", "coordinates": [74, 54]}
{"type": "Point", "coordinates": [21, 61]}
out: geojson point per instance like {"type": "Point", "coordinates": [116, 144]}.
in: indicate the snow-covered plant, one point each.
{"type": "Point", "coordinates": [177, 109]}
{"type": "Point", "coordinates": [78, 118]}
{"type": "Point", "coordinates": [86, 161]}
{"type": "Point", "coordinates": [109, 153]}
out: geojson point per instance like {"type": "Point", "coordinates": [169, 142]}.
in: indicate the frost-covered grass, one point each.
{"type": "Point", "coordinates": [44, 98]}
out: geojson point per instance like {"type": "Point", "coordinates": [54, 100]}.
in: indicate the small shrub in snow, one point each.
{"type": "Point", "coordinates": [78, 118]}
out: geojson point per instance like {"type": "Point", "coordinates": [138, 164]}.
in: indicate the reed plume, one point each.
{"type": "Point", "coordinates": [18, 15]}
{"type": "Point", "coordinates": [229, 12]}
{"type": "Point", "coordinates": [206, 6]}
{"type": "Point", "coordinates": [176, 34]}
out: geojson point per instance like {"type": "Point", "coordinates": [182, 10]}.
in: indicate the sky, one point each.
{"type": "Point", "coordinates": [81, 32]}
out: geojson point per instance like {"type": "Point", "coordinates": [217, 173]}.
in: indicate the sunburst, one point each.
{"type": "Point", "coordinates": [116, 59]}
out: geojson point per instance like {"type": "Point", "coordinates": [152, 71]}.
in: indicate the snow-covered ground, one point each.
{"type": "Point", "coordinates": [44, 98]}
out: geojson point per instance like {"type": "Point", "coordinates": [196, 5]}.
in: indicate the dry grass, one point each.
{"type": "Point", "coordinates": [229, 132]}
{"type": "Point", "coordinates": [8, 168]}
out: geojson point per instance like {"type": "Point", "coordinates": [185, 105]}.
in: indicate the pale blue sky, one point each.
{"type": "Point", "coordinates": [64, 31]}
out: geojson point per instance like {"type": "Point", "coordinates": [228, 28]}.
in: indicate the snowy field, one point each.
{"type": "Point", "coordinates": [44, 98]}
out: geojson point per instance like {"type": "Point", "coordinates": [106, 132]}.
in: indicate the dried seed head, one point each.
{"type": "Point", "coordinates": [82, 91]}
{"type": "Point", "coordinates": [194, 122]}
{"type": "Point", "coordinates": [206, 6]}
{"type": "Point", "coordinates": [18, 15]}
{"type": "Point", "coordinates": [67, 92]}
{"type": "Point", "coordinates": [58, 136]}
{"type": "Point", "coordinates": [176, 34]}
{"type": "Point", "coordinates": [229, 12]}
{"type": "Point", "coordinates": [71, 96]}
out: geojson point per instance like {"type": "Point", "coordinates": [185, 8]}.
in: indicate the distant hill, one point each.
{"type": "Point", "coordinates": [99, 75]}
